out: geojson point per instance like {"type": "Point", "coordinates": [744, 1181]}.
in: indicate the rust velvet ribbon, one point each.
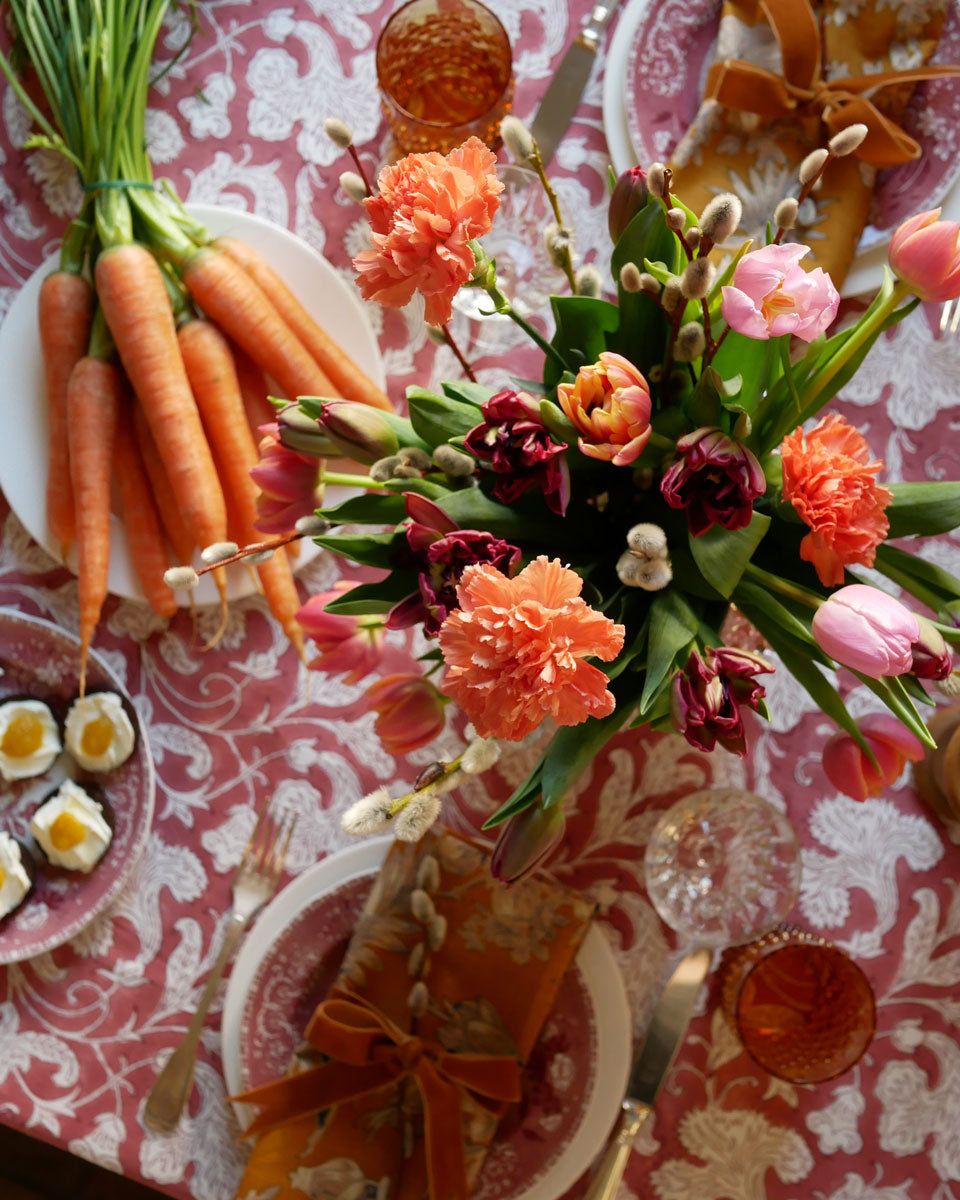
{"type": "Point", "coordinates": [802, 91]}
{"type": "Point", "coordinates": [368, 1052]}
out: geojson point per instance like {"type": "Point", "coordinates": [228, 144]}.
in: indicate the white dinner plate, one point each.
{"type": "Point", "coordinates": [23, 410]}
{"type": "Point", "coordinates": [866, 272]}
{"type": "Point", "coordinates": [248, 1035]}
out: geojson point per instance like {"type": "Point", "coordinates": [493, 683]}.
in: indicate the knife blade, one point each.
{"type": "Point", "coordinates": [561, 98]}
{"type": "Point", "coordinates": [663, 1039]}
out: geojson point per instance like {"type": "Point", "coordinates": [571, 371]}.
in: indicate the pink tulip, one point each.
{"type": "Point", "coordinates": [851, 771]}
{"type": "Point", "coordinates": [771, 295]}
{"type": "Point", "coordinates": [867, 630]}
{"type": "Point", "coordinates": [288, 482]}
{"type": "Point", "coordinates": [925, 254]}
{"type": "Point", "coordinates": [349, 646]}
{"type": "Point", "coordinates": [409, 711]}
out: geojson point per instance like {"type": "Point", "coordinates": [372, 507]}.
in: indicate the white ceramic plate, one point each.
{"type": "Point", "coordinates": [595, 965]}
{"type": "Point", "coordinates": [866, 272]}
{"type": "Point", "coordinates": [23, 411]}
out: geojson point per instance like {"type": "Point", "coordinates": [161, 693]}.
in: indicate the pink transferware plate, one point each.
{"type": "Point", "coordinates": [672, 45]}
{"type": "Point", "coordinates": [576, 1075]}
{"type": "Point", "coordinates": [42, 661]}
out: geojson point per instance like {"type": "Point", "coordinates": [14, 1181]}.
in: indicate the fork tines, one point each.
{"type": "Point", "coordinates": [950, 316]}
{"type": "Point", "coordinates": [266, 848]}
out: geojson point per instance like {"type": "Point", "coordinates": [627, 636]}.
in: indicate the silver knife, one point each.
{"type": "Point", "coordinates": [563, 95]}
{"type": "Point", "coordinates": [664, 1037]}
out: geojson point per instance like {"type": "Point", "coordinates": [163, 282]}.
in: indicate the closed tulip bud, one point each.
{"type": "Point", "coordinates": [867, 630]}
{"type": "Point", "coordinates": [409, 711]}
{"type": "Point", "coordinates": [358, 430]}
{"type": "Point", "coordinates": [525, 841]}
{"type": "Point", "coordinates": [812, 165]}
{"type": "Point", "coordinates": [850, 770]}
{"type": "Point", "coordinates": [925, 254]}
{"type": "Point", "coordinates": [719, 220]}
{"type": "Point", "coordinates": [302, 433]}
{"type": "Point", "coordinates": [931, 656]}
{"type": "Point", "coordinates": [630, 196]}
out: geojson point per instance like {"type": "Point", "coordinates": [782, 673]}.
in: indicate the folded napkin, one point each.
{"type": "Point", "coordinates": [416, 1052]}
{"type": "Point", "coordinates": [787, 75]}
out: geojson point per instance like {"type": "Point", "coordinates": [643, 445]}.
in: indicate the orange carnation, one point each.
{"type": "Point", "coordinates": [428, 208]}
{"type": "Point", "coordinates": [515, 650]}
{"type": "Point", "coordinates": [830, 483]}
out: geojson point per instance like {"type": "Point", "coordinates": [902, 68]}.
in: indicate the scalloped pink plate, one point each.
{"type": "Point", "coordinates": [668, 59]}
{"type": "Point", "coordinates": [575, 1077]}
{"type": "Point", "coordinates": [42, 661]}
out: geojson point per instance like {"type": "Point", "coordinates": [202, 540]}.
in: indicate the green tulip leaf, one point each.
{"type": "Point", "coordinates": [923, 509]}
{"type": "Point", "coordinates": [467, 391]}
{"type": "Point", "coordinates": [673, 627]}
{"type": "Point", "coordinates": [722, 554]}
{"type": "Point", "coordinates": [437, 419]}
{"type": "Point", "coordinates": [368, 599]}
{"type": "Point", "coordinates": [368, 509]}
{"type": "Point", "coordinates": [372, 549]}
{"type": "Point", "coordinates": [523, 797]}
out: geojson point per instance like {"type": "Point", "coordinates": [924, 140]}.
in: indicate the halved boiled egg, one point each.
{"type": "Point", "coordinates": [98, 732]}
{"type": "Point", "coordinates": [70, 829]}
{"type": "Point", "coordinates": [29, 738]}
{"type": "Point", "coordinates": [14, 879]}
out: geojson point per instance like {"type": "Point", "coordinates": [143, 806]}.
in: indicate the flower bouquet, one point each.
{"type": "Point", "coordinates": [611, 544]}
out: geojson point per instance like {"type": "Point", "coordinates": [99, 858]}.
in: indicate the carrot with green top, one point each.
{"type": "Point", "coordinates": [349, 380]}
{"type": "Point", "coordinates": [64, 313]}
{"type": "Point", "coordinates": [213, 378]}
{"type": "Point", "coordinates": [136, 304]}
{"type": "Point", "coordinates": [141, 518]}
{"type": "Point", "coordinates": [228, 296]}
{"type": "Point", "coordinates": [94, 395]}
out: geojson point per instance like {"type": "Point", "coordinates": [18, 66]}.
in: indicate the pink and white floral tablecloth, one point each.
{"type": "Point", "coordinates": [238, 121]}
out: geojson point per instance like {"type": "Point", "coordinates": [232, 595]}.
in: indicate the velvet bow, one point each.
{"type": "Point", "coordinates": [802, 91]}
{"type": "Point", "coordinates": [368, 1052]}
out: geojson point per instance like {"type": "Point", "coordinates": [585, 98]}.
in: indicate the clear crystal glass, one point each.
{"type": "Point", "coordinates": [722, 867]}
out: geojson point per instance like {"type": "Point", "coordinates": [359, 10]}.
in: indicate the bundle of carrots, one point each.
{"type": "Point", "coordinates": [145, 323]}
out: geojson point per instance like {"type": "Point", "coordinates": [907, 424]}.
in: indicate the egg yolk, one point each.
{"type": "Point", "coordinates": [66, 832]}
{"type": "Point", "coordinates": [22, 736]}
{"type": "Point", "coordinates": [97, 736]}
{"type": "Point", "coordinates": [3, 877]}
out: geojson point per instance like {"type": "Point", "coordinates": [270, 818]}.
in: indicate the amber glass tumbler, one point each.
{"type": "Point", "coordinates": [445, 73]}
{"type": "Point", "coordinates": [802, 1008]}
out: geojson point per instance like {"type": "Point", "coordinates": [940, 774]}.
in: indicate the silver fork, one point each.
{"type": "Point", "coordinates": [950, 316]}
{"type": "Point", "coordinates": [253, 884]}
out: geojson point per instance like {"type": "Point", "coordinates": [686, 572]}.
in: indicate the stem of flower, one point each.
{"type": "Point", "coordinates": [338, 479]}
{"type": "Point", "coordinates": [774, 582]}
{"type": "Point", "coordinates": [359, 165]}
{"type": "Point", "coordinates": [401, 802]}
{"type": "Point", "coordinates": [253, 548]}
{"type": "Point", "coordinates": [464, 365]}
{"type": "Point", "coordinates": [804, 193]}
{"type": "Point", "coordinates": [566, 258]}
{"type": "Point", "coordinates": [503, 306]}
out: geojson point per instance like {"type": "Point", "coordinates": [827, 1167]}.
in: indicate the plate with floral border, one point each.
{"type": "Point", "coordinates": [576, 1075]}
{"type": "Point", "coordinates": [335, 303]}
{"type": "Point", "coordinates": [42, 661]}
{"type": "Point", "coordinates": [655, 77]}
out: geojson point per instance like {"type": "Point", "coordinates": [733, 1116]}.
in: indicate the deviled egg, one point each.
{"type": "Point", "coordinates": [98, 732]}
{"type": "Point", "coordinates": [29, 738]}
{"type": "Point", "coordinates": [70, 829]}
{"type": "Point", "coordinates": [15, 880]}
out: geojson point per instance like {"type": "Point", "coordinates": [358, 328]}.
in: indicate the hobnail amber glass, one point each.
{"type": "Point", "coordinates": [445, 73]}
{"type": "Point", "coordinates": [802, 1008]}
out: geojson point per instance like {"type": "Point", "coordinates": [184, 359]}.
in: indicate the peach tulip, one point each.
{"type": "Point", "coordinates": [850, 770]}
{"type": "Point", "coordinates": [609, 404]}
{"type": "Point", "coordinates": [925, 254]}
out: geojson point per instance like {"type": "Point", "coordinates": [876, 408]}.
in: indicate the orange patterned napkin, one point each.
{"type": "Point", "coordinates": [788, 74]}
{"type": "Point", "coordinates": [446, 984]}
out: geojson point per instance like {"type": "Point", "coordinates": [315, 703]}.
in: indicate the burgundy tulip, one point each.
{"type": "Point", "coordinates": [518, 447]}
{"type": "Point", "coordinates": [709, 692]}
{"type": "Point", "coordinates": [931, 655]}
{"type": "Point", "coordinates": [440, 551]}
{"type": "Point", "coordinates": [525, 841]}
{"type": "Point", "coordinates": [629, 196]}
{"type": "Point", "coordinates": [715, 479]}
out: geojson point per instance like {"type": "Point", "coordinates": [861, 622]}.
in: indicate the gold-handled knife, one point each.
{"type": "Point", "coordinates": [664, 1037]}
{"type": "Point", "coordinates": [563, 95]}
